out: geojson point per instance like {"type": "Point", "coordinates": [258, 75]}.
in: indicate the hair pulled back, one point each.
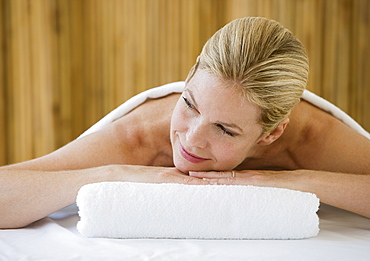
{"type": "Point", "coordinates": [263, 57]}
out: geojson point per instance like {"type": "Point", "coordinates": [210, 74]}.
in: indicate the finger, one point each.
{"type": "Point", "coordinates": [224, 181]}
{"type": "Point", "coordinates": [185, 179]}
{"type": "Point", "coordinates": [211, 174]}
{"type": "Point", "coordinates": [195, 181]}
{"type": "Point", "coordinates": [246, 180]}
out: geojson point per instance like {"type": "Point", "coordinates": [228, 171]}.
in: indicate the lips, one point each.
{"type": "Point", "coordinates": [190, 157]}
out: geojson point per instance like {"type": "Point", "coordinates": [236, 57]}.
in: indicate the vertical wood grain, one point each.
{"type": "Point", "coordinates": [3, 103]}
{"type": "Point", "coordinates": [360, 63]}
{"type": "Point", "coordinates": [19, 93]}
{"type": "Point", "coordinates": [66, 63]}
{"type": "Point", "coordinates": [41, 84]}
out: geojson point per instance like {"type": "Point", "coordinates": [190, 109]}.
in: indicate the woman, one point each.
{"type": "Point", "coordinates": [239, 120]}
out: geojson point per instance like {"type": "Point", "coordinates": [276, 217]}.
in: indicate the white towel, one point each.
{"type": "Point", "coordinates": [141, 210]}
{"type": "Point", "coordinates": [177, 87]}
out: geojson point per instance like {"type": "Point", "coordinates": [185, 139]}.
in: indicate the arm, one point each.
{"type": "Point", "coordinates": [347, 191]}
{"type": "Point", "coordinates": [34, 189]}
{"type": "Point", "coordinates": [28, 195]}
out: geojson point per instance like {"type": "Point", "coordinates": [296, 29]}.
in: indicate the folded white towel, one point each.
{"type": "Point", "coordinates": [141, 210]}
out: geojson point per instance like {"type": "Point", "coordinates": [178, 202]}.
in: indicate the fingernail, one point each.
{"type": "Point", "coordinates": [193, 173]}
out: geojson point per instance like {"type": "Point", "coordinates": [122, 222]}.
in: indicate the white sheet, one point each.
{"type": "Point", "coordinates": [343, 235]}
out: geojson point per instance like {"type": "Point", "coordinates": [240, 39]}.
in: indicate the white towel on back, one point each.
{"type": "Point", "coordinates": [177, 87]}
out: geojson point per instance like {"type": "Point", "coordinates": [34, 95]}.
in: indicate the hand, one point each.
{"type": "Point", "coordinates": [262, 178]}
{"type": "Point", "coordinates": [149, 174]}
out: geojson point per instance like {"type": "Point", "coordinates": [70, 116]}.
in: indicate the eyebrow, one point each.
{"type": "Point", "coordinates": [229, 125]}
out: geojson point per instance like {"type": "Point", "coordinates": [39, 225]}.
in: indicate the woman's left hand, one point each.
{"type": "Point", "coordinates": [262, 178]}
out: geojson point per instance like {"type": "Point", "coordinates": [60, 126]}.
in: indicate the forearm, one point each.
{"type": "Point", "coordinates": [347, 191]}
{"type": "Point", "coordinates": [28, 195]}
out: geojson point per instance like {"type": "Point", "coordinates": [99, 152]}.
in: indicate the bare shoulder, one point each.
{"type": "Point", "coordinates": [148, 127]}
{"type": "Point", "coordinates": [151, 112]}
{"type": "Point", "coordinates": [323, 142]}
{"type": "Point", "coordinates": [140, 137]}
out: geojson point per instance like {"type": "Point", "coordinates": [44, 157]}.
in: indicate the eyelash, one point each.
{"type": "Point", "coordinates": [188, 104]}
{"type": "Point", "coordinates": [225, 131]}
{"type": "Point", "coordinates": [222, 128]}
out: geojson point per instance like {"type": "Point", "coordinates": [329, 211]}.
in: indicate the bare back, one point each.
{"type": "Point", "coordinates": [326, 143]}
{"type": "Point", "coordinates": [315, 140]}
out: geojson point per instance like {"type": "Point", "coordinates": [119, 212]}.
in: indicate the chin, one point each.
{"type": "Point", "coordinates": [184, 168]}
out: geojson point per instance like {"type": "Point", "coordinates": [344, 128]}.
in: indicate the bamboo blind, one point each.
{"type": "Point", "coordinates": [66, 63]}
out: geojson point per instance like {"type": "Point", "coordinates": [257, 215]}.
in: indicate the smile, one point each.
{"type": "Point", "coordinates": [190, 157]}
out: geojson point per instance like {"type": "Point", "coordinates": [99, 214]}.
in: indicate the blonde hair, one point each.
{"type": "Point", "coordinates": [265, 59]}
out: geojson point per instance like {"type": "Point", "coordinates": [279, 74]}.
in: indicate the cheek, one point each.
{"type": "Point", "coordinates": [178, 120]}
{"type": "Point", "coordinates": [228, 155]}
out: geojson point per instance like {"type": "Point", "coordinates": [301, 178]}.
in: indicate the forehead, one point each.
{"type": "Point", "coordinates": [224, 100]}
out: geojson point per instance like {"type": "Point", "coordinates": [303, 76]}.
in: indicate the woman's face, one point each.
{"type": "Point", "coordinates": [213, 126]}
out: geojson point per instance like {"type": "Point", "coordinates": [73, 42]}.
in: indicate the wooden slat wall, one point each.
{"type": "Point", "coordinates": [65, 63]}
{"type": "Point", "coordinates": [3, 118]}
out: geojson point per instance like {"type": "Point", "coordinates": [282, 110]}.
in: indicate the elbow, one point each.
{"type": "Point", "coordinates": [15, 219]}
{"type": "Point", "coordinates": [10, 226]}
{"type": "Point", "coordinates": [10, 223]}
{"type": "Point", "coordinates": [365, 213]}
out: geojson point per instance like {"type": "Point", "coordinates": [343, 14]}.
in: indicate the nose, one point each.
{"type": "Point", "coordinates": [196, 135]}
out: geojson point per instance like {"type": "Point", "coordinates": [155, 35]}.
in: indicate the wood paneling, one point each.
{"type": "Point", "coordinates": [3, 104]}
{"type": "Point", "coordinates": [66, 63]}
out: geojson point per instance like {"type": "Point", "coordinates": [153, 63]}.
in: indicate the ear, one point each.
{"type": "Point", "coordinates": [275, 134]}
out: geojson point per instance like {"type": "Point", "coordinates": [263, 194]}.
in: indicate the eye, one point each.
{"type": "Point", "coordinates": [188, 104]}
{"type": "Point", "coordinates": [225, 131]}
